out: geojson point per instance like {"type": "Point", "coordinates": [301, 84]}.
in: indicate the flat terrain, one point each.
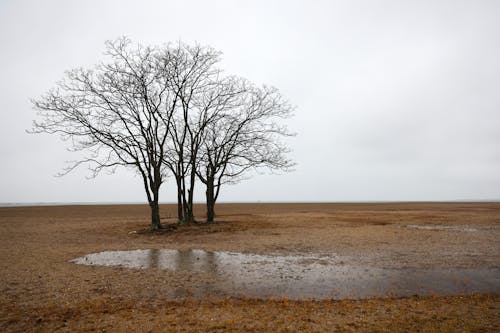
{"type": "Point", "coordinates": [42, 291]}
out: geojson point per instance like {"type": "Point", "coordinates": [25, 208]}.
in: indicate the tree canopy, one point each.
{"type": "Point", "coordinates": [164, 111]}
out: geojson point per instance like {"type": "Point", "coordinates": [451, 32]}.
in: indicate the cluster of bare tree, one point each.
{"type": "Point", "coordinates": [167, 111]}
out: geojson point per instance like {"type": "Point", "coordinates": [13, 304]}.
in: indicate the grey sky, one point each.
{"type": "Point", "coordinates": [396, 100]}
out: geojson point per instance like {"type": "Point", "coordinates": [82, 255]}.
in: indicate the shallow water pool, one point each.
{"type": "Point", "coordinates": [297, 277]}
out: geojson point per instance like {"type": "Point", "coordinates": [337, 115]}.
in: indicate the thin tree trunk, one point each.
{"type": "Point", "coordinates": [185, 209]}
{"type": "Point", "coordinates": [190, 213]}
{"type": "Point", "coordinates": [185, 205]}
{"type": "Point", "coordinates": [210, 201]}
{"type": "Point", "coordinates": [192, 180]}
{"type": "Point", "coordinates": [180, 206]}
{"type": "Point", "coordinates": [155, 208]}
{"type": "Point", "coordinates": [155, 215]}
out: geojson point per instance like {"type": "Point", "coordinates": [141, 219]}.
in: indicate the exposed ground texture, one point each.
{"type": "Point", "coordinates": [41, 291]}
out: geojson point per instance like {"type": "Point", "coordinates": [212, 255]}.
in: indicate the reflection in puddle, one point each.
{"type": "Point", "coordinates": [441, 227]}
{"type": "Point", "coordinates": [300, 276]}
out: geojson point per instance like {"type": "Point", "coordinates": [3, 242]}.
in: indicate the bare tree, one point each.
{"type": "Point", "coordinates": [167, 109]}
{"type": "Point", "coordinates": [119, 113]}
{"type": "Point", "coordinates": [244, 134]}
{"type": "Point", "coordinates": [194, 75]}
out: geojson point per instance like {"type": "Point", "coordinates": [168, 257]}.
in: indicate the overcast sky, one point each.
{"type": "Point", "coordinates": [396, 100]}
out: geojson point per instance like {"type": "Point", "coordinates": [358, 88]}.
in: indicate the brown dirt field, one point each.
{"type": "Point", "coordinates": [42, 292]}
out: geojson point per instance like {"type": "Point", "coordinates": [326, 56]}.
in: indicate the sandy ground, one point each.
{"type": "Point", "coordinates": [42, 291]}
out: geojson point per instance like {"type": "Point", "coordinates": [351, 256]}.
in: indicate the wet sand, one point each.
{"type": "Point", "coordinates": [43, 291]}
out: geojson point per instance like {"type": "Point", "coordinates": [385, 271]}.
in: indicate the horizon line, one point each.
{"type": "Point", "coordinates": [104, 203]}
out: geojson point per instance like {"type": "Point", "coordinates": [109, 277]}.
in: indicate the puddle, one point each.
{"type": "Point", "coordinates": [442, 227]}
{"type": "Point", "coordinates": [299, 277]}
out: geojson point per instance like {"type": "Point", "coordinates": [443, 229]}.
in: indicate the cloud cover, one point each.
{"type": "Point", "coordinates": [396, 100]}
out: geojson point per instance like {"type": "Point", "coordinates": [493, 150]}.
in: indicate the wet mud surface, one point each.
{"type": "Point", "coordinates": [298, 277]}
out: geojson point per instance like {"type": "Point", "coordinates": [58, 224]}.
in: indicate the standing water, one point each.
{"type": "Point", "coordinates": [297, 277]}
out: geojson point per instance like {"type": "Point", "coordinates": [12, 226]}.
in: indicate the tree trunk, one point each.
{"type": "Point", "coordinates": [155, 208]}
{"type": "Point", "coordinates": [180, 206]}
{"type": "Point", "coordinates": [190, 213]}
{"type": "Point", "coordinates": [186, 215]}
{"type": "Point", "coordinates": [186, 210]}
{"type": "Point", "coordinates": [210, 201]}
{"type": "Point", "coordinates": [192, 180]}
{"type": "Point", "coordinates": [155, 215]}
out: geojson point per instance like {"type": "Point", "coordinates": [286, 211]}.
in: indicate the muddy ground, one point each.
{"type": "Point", "coordinates": [42, 291]}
